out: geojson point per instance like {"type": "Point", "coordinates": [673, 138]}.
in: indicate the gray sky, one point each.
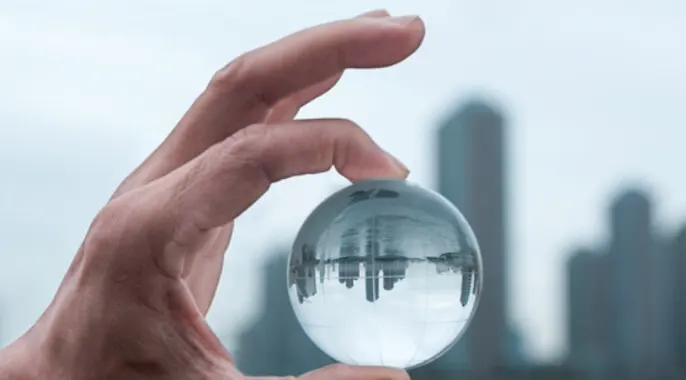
{"type": "Point", "coordinates": [593, 90]}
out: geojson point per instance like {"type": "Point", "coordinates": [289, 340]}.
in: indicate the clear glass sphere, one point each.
{"type": "Point", "coordinates": [386, 273]}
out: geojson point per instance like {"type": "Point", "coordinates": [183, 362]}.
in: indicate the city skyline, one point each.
{"type": "Point", "coordinates": [623, 295]}
{"type": "Point", "coordinates": [591, 354]}
{"type": "Point", "coordinates": [388, 267]}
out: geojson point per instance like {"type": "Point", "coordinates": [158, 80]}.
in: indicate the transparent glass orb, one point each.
{"type": "Point", "coordinates": [386, 273]}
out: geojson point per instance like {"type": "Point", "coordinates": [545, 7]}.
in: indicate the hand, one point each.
{"type": "Point", "coordinates": [132, 304]}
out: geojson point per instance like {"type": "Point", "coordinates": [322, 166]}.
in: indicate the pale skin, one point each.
{"type": "Point", "coordinates": [133, 303]}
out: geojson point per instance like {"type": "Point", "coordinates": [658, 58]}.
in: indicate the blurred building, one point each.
{"type": "Point", "coordinates": [472, 175]}
{"type": "Point", "coordinates": [639, 283]}
{"type": "Point", "coordinates": [679, 297]}
{"type": "Point", "coordinates": [589, 313]}
{"type": "Point", "coordinates": [621, 303]}
{"type": "Point", "coordinates": [275, 343]}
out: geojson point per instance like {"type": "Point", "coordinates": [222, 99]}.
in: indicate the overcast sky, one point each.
{"type": "Point", "coordinates": [594, 92]}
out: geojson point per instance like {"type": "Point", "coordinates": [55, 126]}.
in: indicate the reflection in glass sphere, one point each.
{"type": "Point", "coordinates": [385, 273]}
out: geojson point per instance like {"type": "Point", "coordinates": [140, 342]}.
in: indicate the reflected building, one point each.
{"type": "Point", "coordinates": [472, 175]}
{"type": "Point", "coordinates": [372, 255]}
{"type": "Point", "coordinates": [275, 343]}
{"type": "Point", "coordinates": [349, 270]}
{"type": "Point", "coordinates": [375, 250]}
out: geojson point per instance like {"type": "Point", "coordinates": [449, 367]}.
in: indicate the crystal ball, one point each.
{"type": "Point", "coordinates": [385, 272]}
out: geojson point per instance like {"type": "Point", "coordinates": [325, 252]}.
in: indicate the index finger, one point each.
{"type": "Point", "coordinates": [225, 180]}
{"type": "Point", "coordinates": [270, 73]}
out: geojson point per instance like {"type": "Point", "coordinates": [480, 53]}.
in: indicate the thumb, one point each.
{"type": "Point", "coordinates": [217, 186]}
{"type": "Point", "coordinates": [347, 372]}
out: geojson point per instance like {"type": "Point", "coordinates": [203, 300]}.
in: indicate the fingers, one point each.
{"type": "Point", "coordinates": [345, 372]}
{"type": "Point", "coordinates": [244, 91]}
{"type": "Point", "coordinates": [266, 75]}
{"type": "Point", "coordinates": [225, 180]}
{"type": "Point", "coordinates": [287, 108]}
{"type": "Point", "coordinates": [231, 176]}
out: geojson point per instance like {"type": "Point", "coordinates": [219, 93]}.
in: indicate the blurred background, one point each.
{"type": "Point", "coordinates": [557, 128]}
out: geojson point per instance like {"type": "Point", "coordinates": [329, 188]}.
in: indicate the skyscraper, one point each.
{"type": "Point", "coordinates": [639, 285]}
{"type": "Point", "coordinates": [580, 309]}
{"type": "Point", "coordinates": [589, 323]}
{"type": "Point", "coordinates": [679, 276]}
{"type": "Point", "coordinates": [624, 320]}
{"type": "Point", "coordinates": [471, 174]}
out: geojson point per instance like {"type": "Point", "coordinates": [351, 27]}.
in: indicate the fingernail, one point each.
{"type": "Point", "coordinates": [398, 164]}
{"type": "Point", "coordinates": [403, 20]}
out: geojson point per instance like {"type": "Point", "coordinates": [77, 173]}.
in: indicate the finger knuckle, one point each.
{"type": "Point", "coordinates": [350, 134]}
{"type": "Point", "coordinates": [341, 56]}
{"type": "Point", "coordinates": [106, 229]}
{"type": "Point", "coordinates": [243, 153]}
{"type": "Point", "coordinates": [350, 127]}
{"type": "Point", "coordinates": [231, 76]}
{"type": "Point", "coordinates": [245, 144]}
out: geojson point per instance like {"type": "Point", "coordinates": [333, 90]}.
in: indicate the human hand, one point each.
{"type": "Point", "coordinates": [133, 303]}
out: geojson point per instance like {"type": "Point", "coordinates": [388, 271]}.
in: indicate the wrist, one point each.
{"type": "Point", "coordinates": [19, 362]}
{"type": "Point", "coordinates": [55, 350]}
{"type": "Point", "coordinates": [59, 346]}
{"type": "Point", "coordinates": [62, 347]}
{"type": "Point", "coordinates": [80, 337]}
